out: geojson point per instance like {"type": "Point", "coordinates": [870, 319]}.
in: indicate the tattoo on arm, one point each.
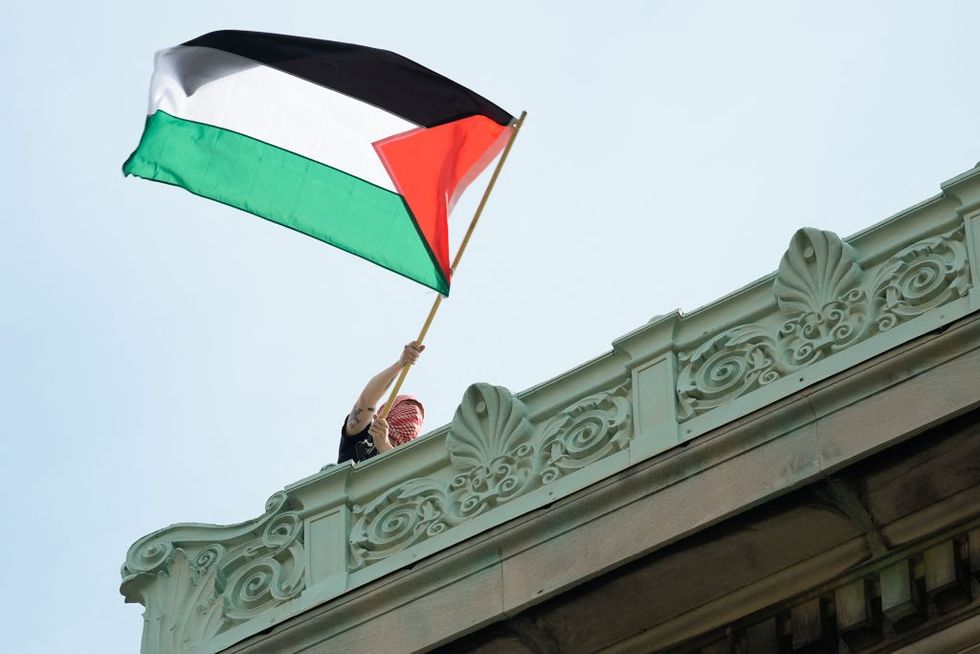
{"type": "Point", "coordinates": [357, 415]}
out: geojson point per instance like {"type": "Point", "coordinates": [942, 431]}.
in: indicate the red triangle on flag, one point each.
{"type": "Point", "coordinates": [432, 166]}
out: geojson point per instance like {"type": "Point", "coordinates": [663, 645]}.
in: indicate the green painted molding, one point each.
{"type": "Point", "coordinates": [496, 456]}
{"type": "Point", "coordinates": [197, 580]}
{"type": "Point", "coordinates": [831, 305]}
{"type": "Point", "coordinates": [827, 302]}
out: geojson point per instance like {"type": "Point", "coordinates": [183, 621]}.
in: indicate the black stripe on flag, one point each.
{"type": "Point", "coordinates": [378, 77]}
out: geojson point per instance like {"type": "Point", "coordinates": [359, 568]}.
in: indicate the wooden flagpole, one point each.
{"type": "Point", "coordinates": [459, 255]}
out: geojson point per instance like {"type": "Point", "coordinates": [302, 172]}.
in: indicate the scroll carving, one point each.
{"type": "Point", "coordinates": [585, 433]}
{"type": "Point", "coordinates": [922, 277]}
{"type": "Point", "coordinates": [403, 516]}
{"type": "Point", "coordinates": [496, 455]}
{"type": "Point", "coordinates": [198, 580]}
{"type": "Point", "coordinates": [828, 303]}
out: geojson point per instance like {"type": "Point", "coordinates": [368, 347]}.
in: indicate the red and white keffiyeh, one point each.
{"type": "Point", "coordinates": [405, 419]}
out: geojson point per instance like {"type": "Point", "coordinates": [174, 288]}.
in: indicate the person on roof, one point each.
{"type": "Point", "coordinates": [365, 434]}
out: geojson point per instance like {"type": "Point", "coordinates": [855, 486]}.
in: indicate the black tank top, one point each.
{"type": "Point", "coordinates": [359, 447]}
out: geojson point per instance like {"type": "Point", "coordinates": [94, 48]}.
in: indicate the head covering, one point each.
{"type": "Point", "coordinates": [405, 419]}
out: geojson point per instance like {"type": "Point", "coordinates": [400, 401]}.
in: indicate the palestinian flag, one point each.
{"type": "Point", "coordinates": [358, 147]}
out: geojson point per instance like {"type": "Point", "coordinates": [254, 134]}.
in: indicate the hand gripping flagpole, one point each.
{"type": "Point", "coordinates": [459, 255]}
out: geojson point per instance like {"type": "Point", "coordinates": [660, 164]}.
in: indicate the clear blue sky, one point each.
{"type": "Point", "coordinates": [167, 359]}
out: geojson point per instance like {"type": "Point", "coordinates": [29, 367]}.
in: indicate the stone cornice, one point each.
{"type": "Point", "coordinates": [662, 500]}
{"type": "Point", "coordinates": [758, 352]}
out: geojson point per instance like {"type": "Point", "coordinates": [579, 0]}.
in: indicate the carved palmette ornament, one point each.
{"type": "Point", "coordinates": [198, 580]}
{"type": "Point", "coordinates": [818, 286]}
{"type": "Point", "coordinates": [828, 304]}
{"type": "Point", "coordinates": [496, 455]}
{"type": "Point", "coordinates": [490, 449]}
{"type": "Point", "coordinates": [818, 269]}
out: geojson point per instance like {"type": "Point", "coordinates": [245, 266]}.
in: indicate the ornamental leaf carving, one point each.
{"type": "Point", "coordinates": [827, 304]}
{"type": "Point", "coordinates": [489, 449]}
{"type": "Point", "coordinates": [198, 580]}
{"type": "Point", "coordinates": [182, 608]}
{"type": "Point", "coordinates": [817, 269]}
{"type": "Point", "coordinates": [496, 454]}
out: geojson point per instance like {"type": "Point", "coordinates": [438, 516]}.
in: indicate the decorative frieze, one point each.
{"type": "Point", "coordinates": [496, 455]}
{"type": "Point", "coordinates": [827, 302]}
{"type": "Point", "coordinates": [198, 580]}
{"type": "Point", "coordinates": [207, 587]}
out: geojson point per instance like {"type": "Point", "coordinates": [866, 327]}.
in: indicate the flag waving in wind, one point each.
{"type": "Point", "coordinates": [358, 147]}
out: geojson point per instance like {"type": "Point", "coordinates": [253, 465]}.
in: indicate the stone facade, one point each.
{"type": "Point", "coordinates": [708, 485]}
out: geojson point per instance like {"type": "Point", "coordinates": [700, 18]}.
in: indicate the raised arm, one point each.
{"type": "Point", "coordinates": [367, 402]}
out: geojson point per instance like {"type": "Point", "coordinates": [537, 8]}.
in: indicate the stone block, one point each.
{"type": "Point", "coordinates": [858, 617]}
{"type": "Point", "coordinates": [947, 584]}
{"type": "Point", "coordinates": [901, 596]}
{"type": "Point", "coordinates": [809, 630]}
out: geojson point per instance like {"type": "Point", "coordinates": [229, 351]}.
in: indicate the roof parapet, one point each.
{"type": "Point", "coordinates": [830, 305]}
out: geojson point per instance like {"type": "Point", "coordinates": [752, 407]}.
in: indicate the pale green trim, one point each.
{"type": "Point", "coordinates": [632, 390]}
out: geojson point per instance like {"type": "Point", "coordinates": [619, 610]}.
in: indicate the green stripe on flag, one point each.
{"type": "Point", "coordinates": [286, 188]}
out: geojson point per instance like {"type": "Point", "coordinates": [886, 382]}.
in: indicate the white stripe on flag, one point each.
{"type": "Point", "coordinates": [217, 88]}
